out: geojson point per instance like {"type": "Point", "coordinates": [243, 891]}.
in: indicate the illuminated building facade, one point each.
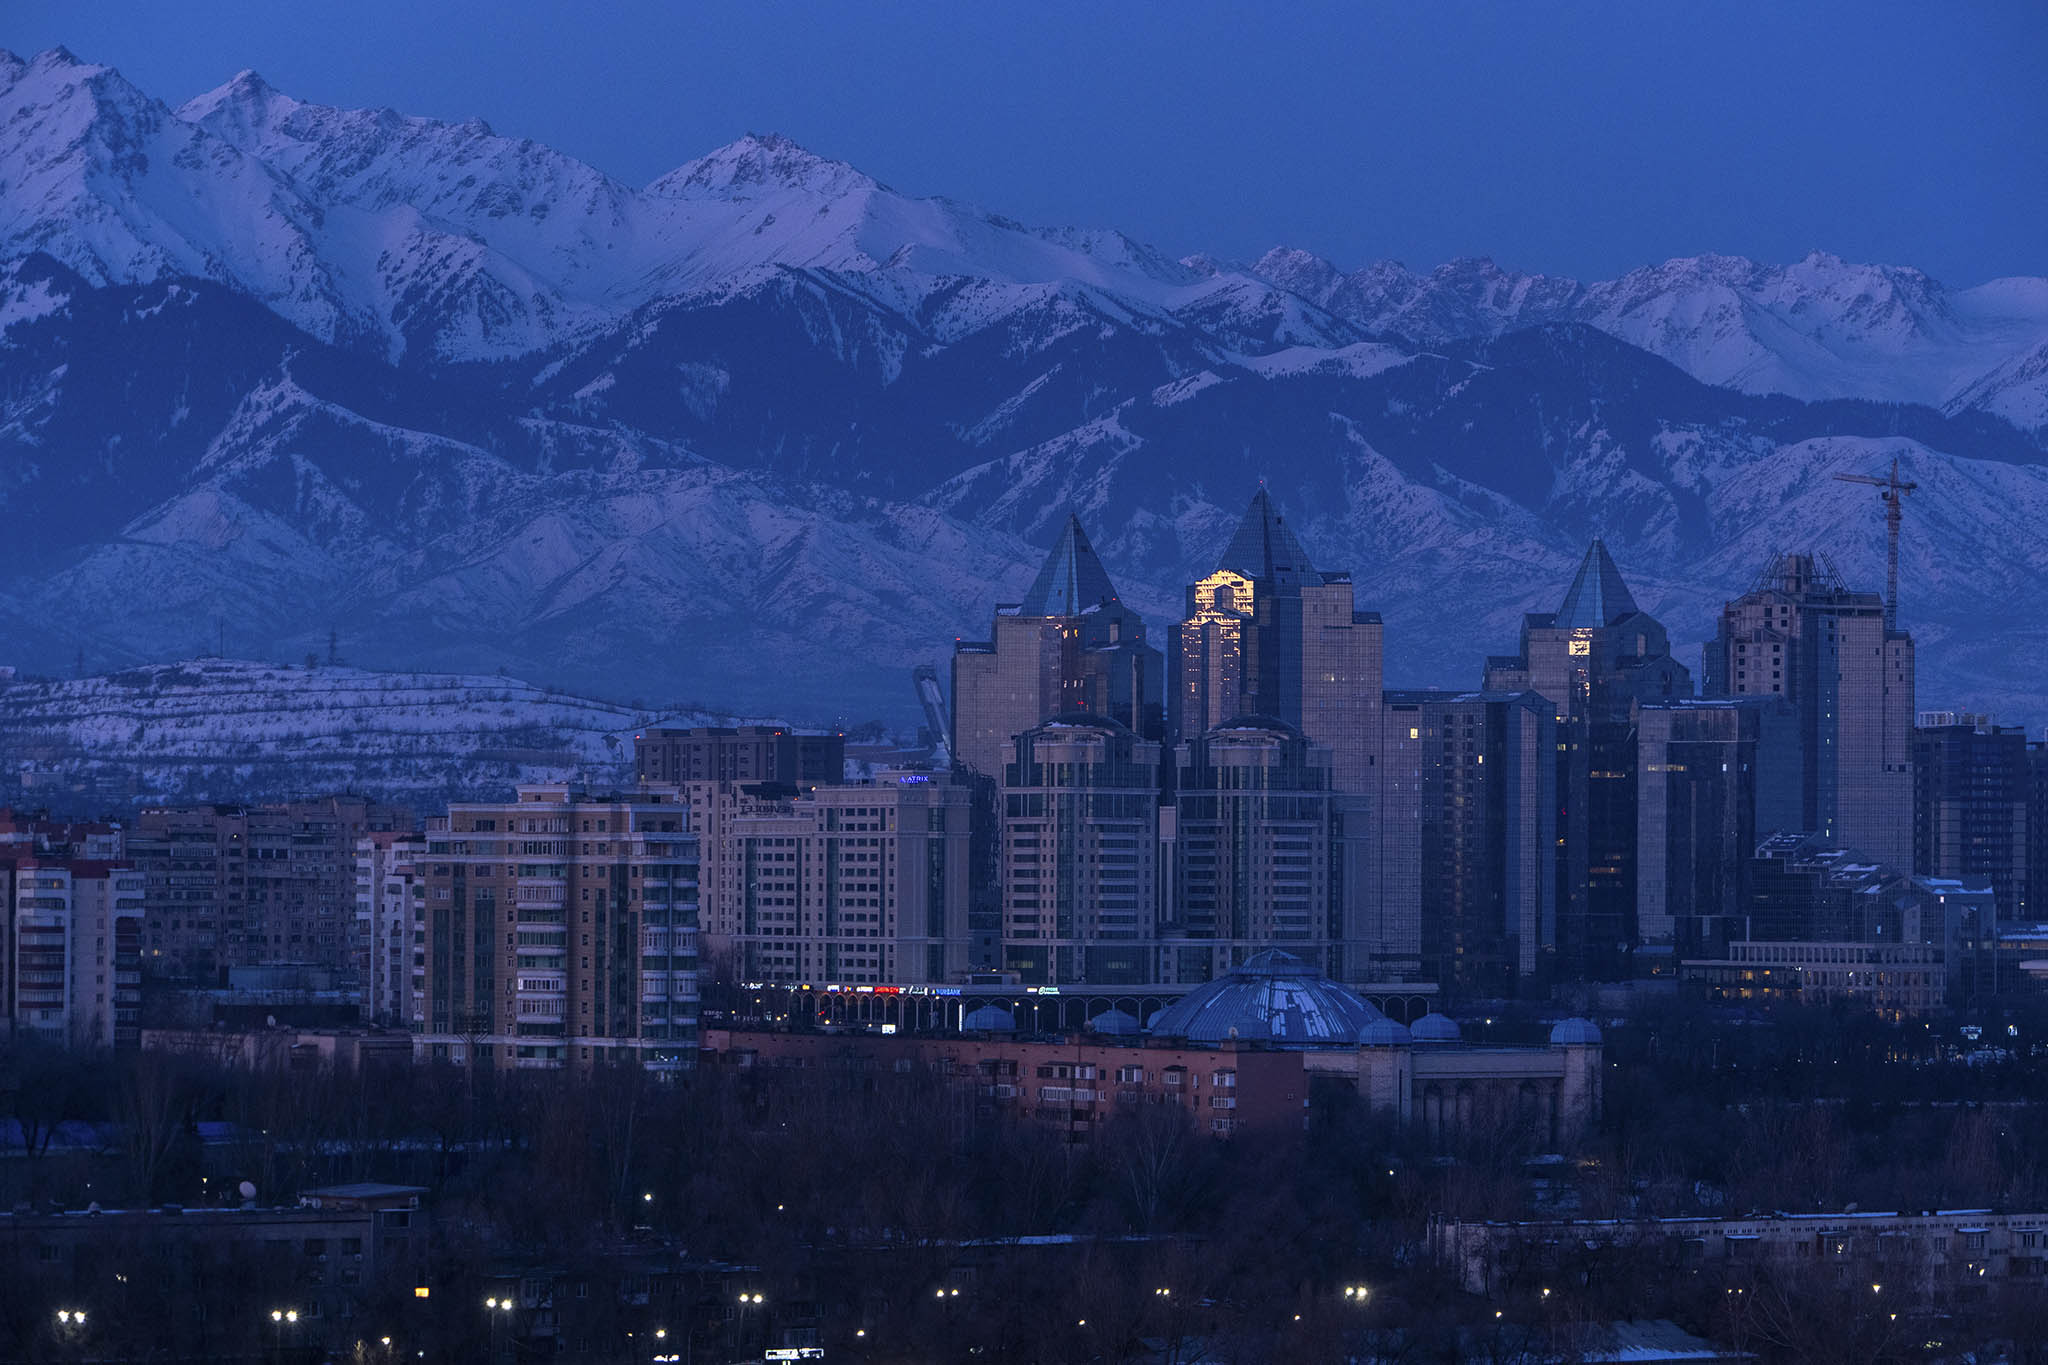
{"type": "Point", "coordinates": [1267, 634]}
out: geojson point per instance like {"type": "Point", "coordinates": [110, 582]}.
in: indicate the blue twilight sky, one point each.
{"type": "Point", "coordinates": [1571, 138]}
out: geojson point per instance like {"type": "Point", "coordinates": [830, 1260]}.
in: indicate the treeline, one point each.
{"type": "Point", "coordinates": [863, 1193]}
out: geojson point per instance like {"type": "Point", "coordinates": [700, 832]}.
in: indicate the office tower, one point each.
{"type": "Point", "coordinates": [1800, 633]}
{"type": "Point", "coordinates": [244, 886]}
{"type": "Point", "coordinates": [1714, 776]}
{"type": "Point", "coordinates": [1972, 783]}
{"type": "Point", "coordinates": [1259, 858]}
{"type": "Point", "coordinates": [1595, 659]}
{"type": "Point", "coordinates": [69, 955]}
{"type": "Point", "coordinates": [1266, 634]}
{"type": "Point", "coordinates": [1080, 856]}
{"type": "Point", "coordinates": [561, 928]}
{"type": "Point", "coordinates": [745, 753]}
{"type": "Point", "coordinates": [1070, 645]}
{"type": "Point", "coordinates": [391, 934]}
{"type": "Point", "coordinates": [855, 884]}
{"type": "Point", "coordinates": [1483, 852]}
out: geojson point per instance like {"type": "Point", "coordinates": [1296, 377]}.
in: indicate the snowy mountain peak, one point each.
{"type": "Point", "coordinates": [1298, 271]}
{"type": "Point", "coordinates": [248, 102]}
{"type": "Point", "coordinates": [760, 163]}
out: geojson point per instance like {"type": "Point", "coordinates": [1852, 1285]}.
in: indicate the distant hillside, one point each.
{"type": "Point", "coordinates": [225, 729]}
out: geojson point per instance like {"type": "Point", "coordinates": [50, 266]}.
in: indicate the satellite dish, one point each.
{"type": "Point", "coordinates": [248, 1189]}
{"type": "Point", "coordinates": [270, 1021]}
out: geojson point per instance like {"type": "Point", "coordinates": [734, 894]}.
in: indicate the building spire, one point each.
{"type": "Point", "coordinates": [1072, 580]}
{"type": "Point", "coordinates": [1264, 548]}
{"type": "Point", "coordinates": [1598, 596]}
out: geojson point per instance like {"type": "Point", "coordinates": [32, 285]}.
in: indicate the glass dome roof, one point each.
{"type": "Point", "coordinates": [1273, 997]}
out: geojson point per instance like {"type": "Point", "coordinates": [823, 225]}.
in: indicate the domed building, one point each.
{"type": "Point", "coordinates": [1422, 1072]}
{"type": "Point", "coordinates": [1273, 997]}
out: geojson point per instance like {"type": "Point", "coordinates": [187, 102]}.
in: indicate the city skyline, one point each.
{"type": "Point", "coordinates": [732, 683]}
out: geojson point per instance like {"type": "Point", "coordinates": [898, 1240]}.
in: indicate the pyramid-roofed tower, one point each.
{"type": "Point", "coordinates": [1072, 579]}
{"type": "Point", "coordinates": [1070, 644]}
{"type": "Point", "coordinates": [1265, 550]}
{"type": "Point", "coordinates": [1598, 596]}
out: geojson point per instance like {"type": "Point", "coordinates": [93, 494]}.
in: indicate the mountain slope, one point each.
{"type": "Point", "coordinates": [767, 431]}
{"type": "Point", "coordinates": [227, 729]}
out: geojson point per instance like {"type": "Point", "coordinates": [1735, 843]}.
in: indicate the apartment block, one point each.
{"type": "Point", "coordinates": [69, 950]}
{"type": "Point", "coordinates": [744, 753]}
{"type": "Point", "coordinates": [853, 884]}
{"type": "Point", "coordinates": [1257, 857]}
{"type": "Point", "coordinates": [391, 949]}
{"type": "Point", "coordinates": [248, 886]}
{"type": "Point", "coordinates": [1081, 861]}
{"type": "Point", "coordinates": [560, 928]}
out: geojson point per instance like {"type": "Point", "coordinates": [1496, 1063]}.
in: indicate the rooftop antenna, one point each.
{"type": "Point", "coordinates": [1892, 492]}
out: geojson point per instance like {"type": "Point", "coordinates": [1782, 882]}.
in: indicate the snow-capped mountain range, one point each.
{"type": "Point", "coordinates": [767, 432]}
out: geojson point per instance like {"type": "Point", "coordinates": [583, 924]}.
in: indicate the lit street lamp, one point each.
{"type": "Point", "coordinates": [497, 1308]}
{"type": "Point", "coordinates": [279, 1318]}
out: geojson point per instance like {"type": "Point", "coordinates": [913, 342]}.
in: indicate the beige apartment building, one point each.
{"type": "Point", "coordinates": [860, 883]}
{"type": "Point", "coordinates": [560, 928]}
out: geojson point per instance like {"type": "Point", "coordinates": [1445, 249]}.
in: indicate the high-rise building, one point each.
{"type": "Point", "coordinates": [1972, 782]}
{"type": "Point", "coordinates": [248, 886]}
{"type": "Point", "coordinates": [391, 932]}
{"type": "Point", "coordinates": [1714, 776]}
{"type": "Point", "coordinates": [1800, 633]}
{"type": "Point", "coordinates": [2035, 905]}
{"type": "Point", "coordinates": [744, 753]}
{"type": "Point", "coordinates": [561, 928]}
{"type": "Point", "coordinates": [860, 883]}
{"type": "Point", "coordinates": [1266, 634]}
{"type": "Point", "coordinates": [1069, 645]}
{"type": "Point", "coordinates": [1080, 853]}
{"type": "Point", "coordinates": [1260, 858]}
{"type": "Point", "coordinates": [70, 942]}
{"type": "Point", "coordinates": [1595, 659]}
{"type": "Point", "coordinates": [1483, 857]}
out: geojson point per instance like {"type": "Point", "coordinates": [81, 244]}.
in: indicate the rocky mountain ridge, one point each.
{"type": "Point", "coordinates": [767, 431]}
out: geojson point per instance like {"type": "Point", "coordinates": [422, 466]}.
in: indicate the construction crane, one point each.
{"type": "Point", "coordinates": [1892, 490]}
